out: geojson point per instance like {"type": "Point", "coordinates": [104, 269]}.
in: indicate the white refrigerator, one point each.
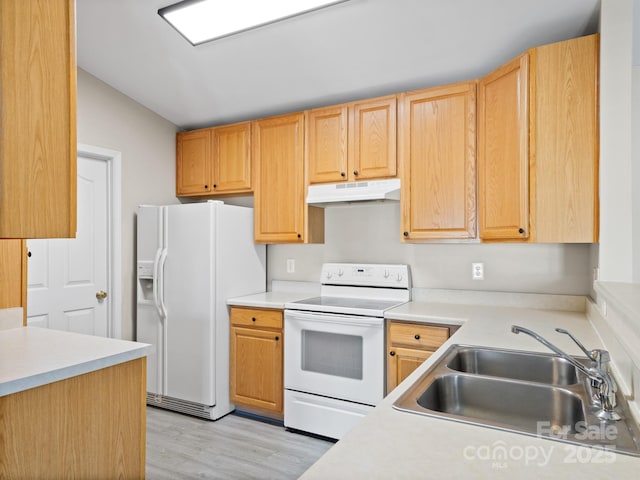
{"type": "Point", "coordinates": [190, 259]}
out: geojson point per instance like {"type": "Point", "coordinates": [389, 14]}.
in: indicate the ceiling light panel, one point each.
{"type": "Point", "coordinates": [201, 21]}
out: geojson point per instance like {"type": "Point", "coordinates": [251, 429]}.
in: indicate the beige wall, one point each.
{"type": "Point", "coordinates": [109, 119]}
{"type": "Point", "coordinates": [616, 197]}
{"type": "Point", "coordinates": [371, 233]}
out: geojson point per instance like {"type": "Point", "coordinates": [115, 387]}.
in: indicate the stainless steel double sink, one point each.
{"type": "Point", "coordinates": [524, 392]}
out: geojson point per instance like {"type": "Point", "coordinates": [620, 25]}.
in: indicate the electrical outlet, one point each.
{"type": "Point", "coordinates": [477, 271]}
{"type": "Point", "coordinates": [291, 265]}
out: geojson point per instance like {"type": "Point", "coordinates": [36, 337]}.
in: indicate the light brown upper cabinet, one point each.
{"type": "Point", "coordinates": [37, 119]}
{"type": "Point", "coordinates": [503, 152]}
{"type": "Point", "coordinates": [437, 157]}
{"type": "Point", "coordinates": [354, 141]}
{"type": "Point", "coordinates": [214, 161]}
{"type": "Point", "coordinates": [193, 162]}
{"type": "Point", "coordinates": [564, 137]}
{"type": "Point", "coordinates": [538, 146]}
{"type": "Point", "coordinates": [280, 212]}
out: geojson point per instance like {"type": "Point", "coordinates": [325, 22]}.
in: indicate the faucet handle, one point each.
{"type": "Point", "coordinates": [589, 354]}
{"type": "Point", "coordinates": [601, 358]}
{"type": "Point", "coordinates": [601, 355]}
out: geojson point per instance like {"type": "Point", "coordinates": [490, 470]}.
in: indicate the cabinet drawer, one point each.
{"type": "Point", "coordinates": [256, 317]}
{"type": "Point", "coordinates": [426, 337]}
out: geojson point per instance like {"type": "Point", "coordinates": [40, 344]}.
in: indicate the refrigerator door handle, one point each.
{"type": "Point", "coordinates": [162, 307]}
{"type": "Point", "coordinates": [156, 281]}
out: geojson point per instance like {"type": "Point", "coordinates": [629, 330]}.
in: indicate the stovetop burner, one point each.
{"type": "Point", "coordinates": [358, 289]}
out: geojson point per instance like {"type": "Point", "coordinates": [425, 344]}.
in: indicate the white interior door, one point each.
{"type": "Point", "coordinates": [65, 276]}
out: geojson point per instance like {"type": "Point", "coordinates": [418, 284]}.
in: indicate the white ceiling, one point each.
{"type": "Point", "coordinates": [357, 49]}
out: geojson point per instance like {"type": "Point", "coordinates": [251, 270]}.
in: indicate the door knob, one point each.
{"type": "Point", "coordinates": [101, 295]}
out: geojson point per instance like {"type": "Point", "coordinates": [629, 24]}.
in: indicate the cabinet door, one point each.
{"type": "Point", "coordinates": [37, 119]}
{"type": "Point", "coordinates": [256, 368]}
{"type": "Point", "coordinates": [193, 162]}
{"type": "Point", "coordinates": [373, 134]}
{"type": "Point", "coordinates": [503, 152]}
{"type": "Point", "coordinates": [327, 144]}
{"type": "Point", "coordinates": [401, 362]}
{"type": "Point", "coordinates": [13, 274]}
{"type": "Point", "coordinates": [279, 206]}
{"type": "Point", "coordinates": [564, 136]}
{"type": "Point", "coordinates": [438, 162]}
{"type": "Point", "coordinates": [232, 158]}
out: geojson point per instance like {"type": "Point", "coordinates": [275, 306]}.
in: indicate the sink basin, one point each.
{"type": "Point", "coordinates": [531, 367]}
{"type": "Point", "coordinates": [482, 399]}
{"type": "Point", "coordinates": [522, 392]}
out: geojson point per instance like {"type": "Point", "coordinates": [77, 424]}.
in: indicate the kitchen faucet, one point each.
{"type": "Point", "coordinates": [598, 372]}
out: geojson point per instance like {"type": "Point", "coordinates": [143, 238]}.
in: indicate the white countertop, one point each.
{"type": "Point", "coordinates": [267, 299]}
{"type": "Point", "coordinates": [32, 356]}
{"type": "Point", "coordinates": [393, 444]}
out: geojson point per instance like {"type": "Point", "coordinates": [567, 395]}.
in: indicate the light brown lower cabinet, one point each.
{"type": "Point", "coordinates": [256, 364]}
{"type": "Point", "coordinates": [408, 346]}
{"type": "Point", "coordinates": [89, 426]}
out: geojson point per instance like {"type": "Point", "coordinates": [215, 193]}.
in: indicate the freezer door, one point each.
{"type": "Point", "coordinates": [149, 330]}
{"type": "Point", "coordinates": [149, 232]}
{"type": "Point", "coordinates": [188, 278]}
{"type": "Point", "coordinates": [149, 323]}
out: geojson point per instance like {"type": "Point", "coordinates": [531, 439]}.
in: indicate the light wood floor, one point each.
{"type": "Point", "coordinates": [234, 447]}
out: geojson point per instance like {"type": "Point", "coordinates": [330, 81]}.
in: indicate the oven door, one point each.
{"type": "Point", "coordinates": [334, 355]}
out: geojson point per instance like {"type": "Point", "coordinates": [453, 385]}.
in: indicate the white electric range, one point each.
{"type": "Point", "coordinates": [334, 346]}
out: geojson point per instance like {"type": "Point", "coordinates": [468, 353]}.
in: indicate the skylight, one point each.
{"type": "Point", "coordinates": [200, 21]}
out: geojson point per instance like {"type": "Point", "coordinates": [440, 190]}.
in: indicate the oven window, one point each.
{"type": "Point", "coordinates": [332, 353]}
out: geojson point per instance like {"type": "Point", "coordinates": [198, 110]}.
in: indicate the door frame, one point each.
{"type": "Point", "coordinates": [113, 161]}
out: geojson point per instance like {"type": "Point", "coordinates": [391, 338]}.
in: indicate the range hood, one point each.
{"type": "Point", "coordinates": [328, 194]}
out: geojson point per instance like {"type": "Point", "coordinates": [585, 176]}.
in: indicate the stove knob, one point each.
{"type": "Point", "coordinates": [386, 274]}
{"type": "Point", "coordinates": [399, 277]}
{"type": "Point", "coordinates": [329, 275]}
{"type": "Point", "coordinates": [340, 272]}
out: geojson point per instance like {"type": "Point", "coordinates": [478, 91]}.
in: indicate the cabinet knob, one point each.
{"type": "Point", "coordinates": [392, 354]}
{"type": "Point", "coordinates": [355, 172]}
{"type": "Point", "coordinates": [215, 186]}
{"type": "Point", "coordinates": [299, 236]}
{"type": "Point", "coordinates": [406, 234]}
{"type": "Point", "coordinates": [521, 231]}
{"type": "Point", "coordinates": [416, 336]}
{"type": "Point", "coordinates": [277, 338]}
{"type": "Point", "coordinates": [342, 174]}
{"type": "Point", "coordinates": [253, 319]}
{"type": "Point", "coordinates": [29, 254]}
{"type": "Point", "coordinates": [206, 186]}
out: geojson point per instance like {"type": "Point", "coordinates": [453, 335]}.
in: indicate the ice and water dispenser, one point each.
{"type": "Point", "coordinates": [145, 281]}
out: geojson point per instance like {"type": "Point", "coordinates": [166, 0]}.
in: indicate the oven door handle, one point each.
{"type": "Point", "coordinates": [336, 318]}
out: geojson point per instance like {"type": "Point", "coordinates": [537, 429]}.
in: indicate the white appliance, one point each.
{"type": "Point", "coordinates": [334, 346]}
{"type": "Point", "coordinates": [190, 259]}
{"type": "Point", "coordinates": [327, 194]}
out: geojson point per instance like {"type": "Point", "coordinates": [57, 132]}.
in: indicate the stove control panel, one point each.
{"type": "Point", "coordinates": [366, 274]}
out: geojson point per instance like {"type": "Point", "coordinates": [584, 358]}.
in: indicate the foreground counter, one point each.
{"type": "Point", "coordinates": [71, 405]}
{"type": "Point", "coordinates": [400, 445]}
